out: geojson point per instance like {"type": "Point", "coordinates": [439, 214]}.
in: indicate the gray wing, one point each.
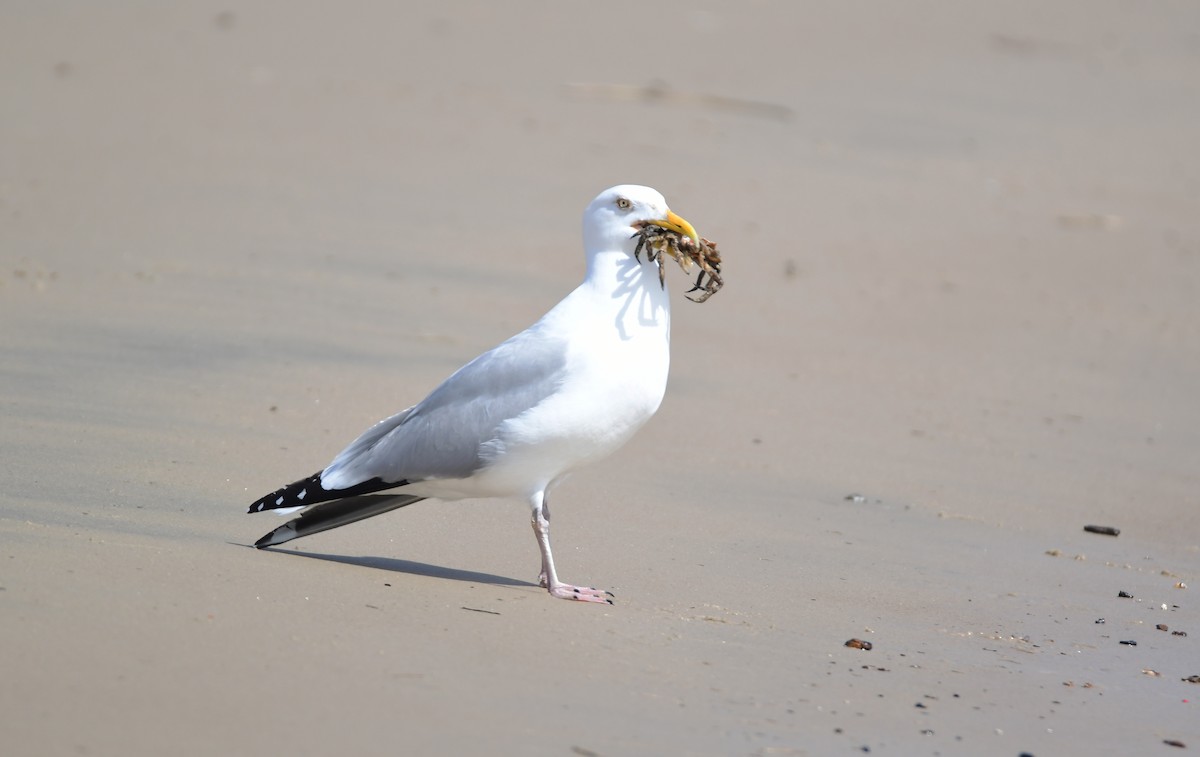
{"type": "Point", "coordinates": [441, 436]}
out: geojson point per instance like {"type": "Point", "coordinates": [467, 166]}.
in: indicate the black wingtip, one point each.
{"type": "Point", "coordinates": [310, 491]}
{"type": "Point", "coordinates": [286, 532]}
{"type": "Point", "coordinates": [329, 515]}
{"type": "Point", "coordinates": [296, 494]}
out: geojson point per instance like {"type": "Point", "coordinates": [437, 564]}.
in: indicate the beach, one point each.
{"type": "Point", "coordinates": [960, 323]}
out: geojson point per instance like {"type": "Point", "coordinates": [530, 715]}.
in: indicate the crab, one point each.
{"type": "Point", "coordinates": [659, 242]}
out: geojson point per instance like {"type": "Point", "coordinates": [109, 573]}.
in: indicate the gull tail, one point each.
{"type": "Point", "coordinates": [333, 514]}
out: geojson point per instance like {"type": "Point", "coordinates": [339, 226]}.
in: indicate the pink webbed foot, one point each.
{"type": "Point", "coordinates": [577, 593]}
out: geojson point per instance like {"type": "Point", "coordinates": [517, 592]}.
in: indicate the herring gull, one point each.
{"type": "Point", "coordinates": [513, 422]}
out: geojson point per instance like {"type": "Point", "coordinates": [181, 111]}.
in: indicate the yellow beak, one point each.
{"type": "Point", "coordinates": [677, 223]}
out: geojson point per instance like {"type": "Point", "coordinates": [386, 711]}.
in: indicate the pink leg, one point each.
{"type": "Point", "coordinates": [549, 578]}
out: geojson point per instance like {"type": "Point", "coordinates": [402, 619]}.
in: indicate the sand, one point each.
{"type": "Point", "coordinates": [962, 265]}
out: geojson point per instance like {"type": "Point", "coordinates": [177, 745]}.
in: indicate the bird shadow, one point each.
{"type": "Point", "coordinates": [631, 286]}
{"type": "Point", "coordinates": [411, 567]}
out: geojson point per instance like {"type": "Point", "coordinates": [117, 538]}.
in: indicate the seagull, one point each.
{"type": "Point", "coordinates": [517, 420]}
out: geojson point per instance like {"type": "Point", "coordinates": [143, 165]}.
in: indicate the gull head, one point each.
{"type": "Point", "coordinates": [612, 219]}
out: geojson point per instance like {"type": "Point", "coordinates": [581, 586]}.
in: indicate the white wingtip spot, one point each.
{"type": "Point", "coordinates": [302, 493]}
{"type": "Point", "coordinates": [279, 501]}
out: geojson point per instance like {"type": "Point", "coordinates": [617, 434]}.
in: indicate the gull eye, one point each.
{"type": "Point", "coordinates": [624, 204]}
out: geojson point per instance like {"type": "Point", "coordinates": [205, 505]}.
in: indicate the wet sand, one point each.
{"type": "Point", "coordinates": [962, 265]}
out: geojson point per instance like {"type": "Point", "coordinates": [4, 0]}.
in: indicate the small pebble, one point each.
{"type": "Point", "coordinates": [1124, 595]}
{"type": "Point", "coordinates": [1129, 643]}
{"type": "Point", "coordinates": [859, 644]}
{"type": "Point", "coordinates": [1179, 633]}
{"type": "Point", "coordinates": [1105, 530]}
{"type": "Point", "coordinates": [1162, 627]}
